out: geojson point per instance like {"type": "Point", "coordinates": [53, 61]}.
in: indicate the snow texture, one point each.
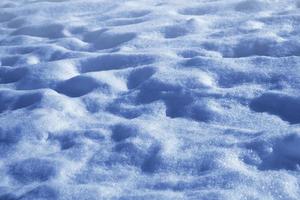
{"type": "Point", "coordinates": [149, 99]}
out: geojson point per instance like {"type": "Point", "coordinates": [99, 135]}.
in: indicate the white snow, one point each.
{"type": "Point", "coordinates": [149, 99]}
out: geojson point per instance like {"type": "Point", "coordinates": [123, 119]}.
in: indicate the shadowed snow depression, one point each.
{"type": "Point", "coordinates": [149, 100]}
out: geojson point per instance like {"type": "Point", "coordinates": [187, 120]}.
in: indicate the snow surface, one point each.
{"type": "Point", "coordinates": [149, 99]}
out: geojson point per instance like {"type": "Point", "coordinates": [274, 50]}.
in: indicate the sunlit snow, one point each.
{"type": "Point", "coordinates": [149, 99]}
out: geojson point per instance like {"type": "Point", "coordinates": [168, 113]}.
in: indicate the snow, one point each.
{"type": "Point", "coordinates": [149, 99]}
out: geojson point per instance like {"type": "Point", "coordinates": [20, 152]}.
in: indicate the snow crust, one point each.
{"type": "Point", "coordinates": [149, 99]}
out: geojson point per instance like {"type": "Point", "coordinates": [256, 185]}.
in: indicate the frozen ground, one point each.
{"type": "Point", "coordinates": [149, 99]}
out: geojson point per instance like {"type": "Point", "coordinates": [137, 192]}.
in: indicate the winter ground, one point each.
{"type": "Point", "coordinates": [149, 99]}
